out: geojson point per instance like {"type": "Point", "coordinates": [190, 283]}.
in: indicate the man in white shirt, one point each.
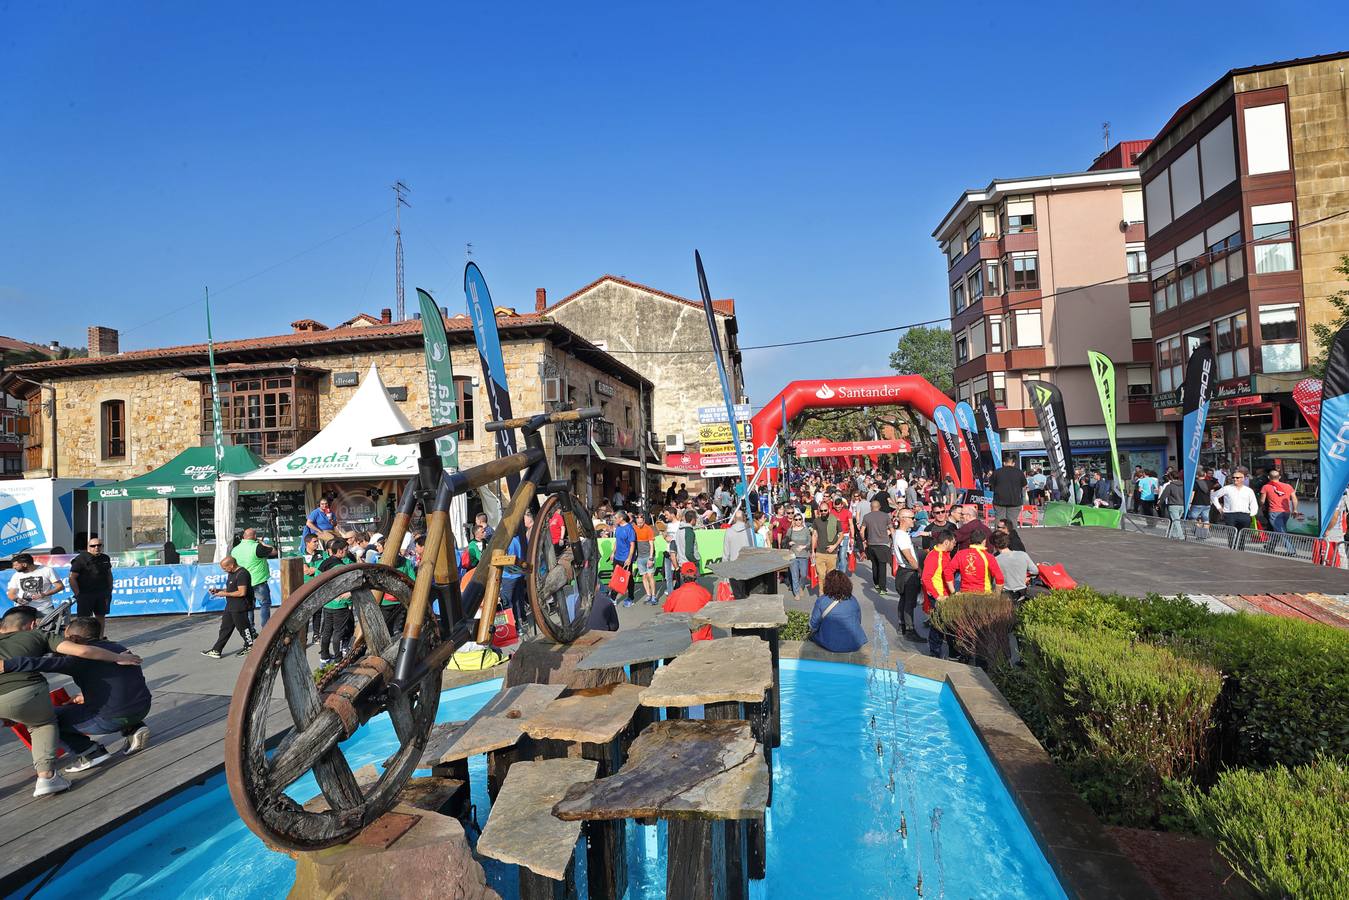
{"type": "Point", "coordinates": [33, 585]}
{"type": "Point", "coordinates": [1236, 501]}
{"type": "Point", "coordinates": [906, 576]}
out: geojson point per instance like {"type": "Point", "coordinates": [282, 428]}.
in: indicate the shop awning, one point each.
{"type": "Point", "coordinates": [650, 467]}
{"type": "Point", "coordinates": [191, 473]}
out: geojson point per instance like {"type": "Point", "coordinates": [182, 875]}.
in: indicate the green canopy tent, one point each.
{"type": "Point", "coordinates": [185, 482]}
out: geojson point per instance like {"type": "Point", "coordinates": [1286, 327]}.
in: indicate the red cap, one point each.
{"type": "Point", "coordinates": [688, 568]}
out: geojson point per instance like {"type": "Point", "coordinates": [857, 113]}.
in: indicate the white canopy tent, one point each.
{"type": "Point", "coordinates": [342, 451]}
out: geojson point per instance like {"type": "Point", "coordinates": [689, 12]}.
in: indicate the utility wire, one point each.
{"type": "Point", "coordinates": [906, 326]}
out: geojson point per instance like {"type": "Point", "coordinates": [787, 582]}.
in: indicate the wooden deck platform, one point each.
{"type": "Point", "coordinates": [36, 834]}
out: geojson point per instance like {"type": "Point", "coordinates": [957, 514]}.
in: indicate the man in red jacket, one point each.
{"type": "Point", "coordinates": [689, 597]}
{"type": "Point", "coordinates": [978, 570]}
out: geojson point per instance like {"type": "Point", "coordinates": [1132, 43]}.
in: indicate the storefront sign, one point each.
{"type": "Point", "coordinates": [709, 415]}
{"type": "Point", "coordinates": [726, 472]}
{"type": "Point", "coordinates": [1301, 440]}
{"type": "Point", "coordinates": [346, 379]}
{"type": "Point", "coordinates": [604, 388]}
{"type": "Point", "coordinates": [1233, 387]}
{"type": "Point", "coordinates": [688, 461]}
{"type": "Point", "coordinates": [1230, 402]}
{"type": "Point", "coordinates": [719, 459]}
{"type": "Point", "coordinates": [1166, 400]}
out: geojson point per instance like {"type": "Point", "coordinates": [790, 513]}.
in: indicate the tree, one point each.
{"type": "Point", "coordinates": [1325, 334]}
{"type": "Point", "coordinates": [927, 352]}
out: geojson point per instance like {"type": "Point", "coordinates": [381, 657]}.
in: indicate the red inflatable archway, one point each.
{"type": "Point", "coordinates": [907, 390]}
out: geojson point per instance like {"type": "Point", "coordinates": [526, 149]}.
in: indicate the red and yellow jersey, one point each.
{"type": "Point", "coordinates": [938, 571]}
{"type": "Point", "coordinates": [978, 570]}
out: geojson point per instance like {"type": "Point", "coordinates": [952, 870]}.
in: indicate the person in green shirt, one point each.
{"type": "Point", "coordinates": [24, 697]}
{"type": "Point", "coordinates": [337, 619]}
{"type": "Point", "coordinates": [253, 554]}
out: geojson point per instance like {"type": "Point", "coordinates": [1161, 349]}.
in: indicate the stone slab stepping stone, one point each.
{"type": "Point", "coordinates": [498, 724]}
{"type": "Point", "coordinates": [664, 637]}
{"type": "Point", "coordinates": [590, 716]}
{"type": "Point", "coordinates": [724, 670]}
{"type": "Point", "coordinates": [754, 611]}
{"type": "Point", "coordinates": [751, 563]}
{"type": "Point", "coordinates": [522, 829]}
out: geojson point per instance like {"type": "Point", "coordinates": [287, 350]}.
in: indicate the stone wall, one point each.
{"type": "Point", "coordinates": [1318, 114]}
{"type": "Point", "coordinates": [626, 318]}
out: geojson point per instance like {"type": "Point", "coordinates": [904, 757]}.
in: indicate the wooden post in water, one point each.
{"type": "Point", "coordinates": [737, 873]}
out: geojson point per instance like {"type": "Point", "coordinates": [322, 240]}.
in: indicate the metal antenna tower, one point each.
{"type": "Point", "coordinates": [400, 201]}
{"type": "Point", "coordinates": [1105, 134]}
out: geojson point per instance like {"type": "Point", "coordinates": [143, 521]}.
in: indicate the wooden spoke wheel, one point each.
{"type": "Point", "coordinates": [564, 576]}
{"type": "Point", "coordinates": [325, 712]}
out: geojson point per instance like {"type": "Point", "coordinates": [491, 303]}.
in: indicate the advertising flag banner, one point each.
{"type": "Point", "coordinates": [1047, 401]}
{"type": "Point", "coordinates": [989, 413]}
{"type": "Point", "coordinates": [945, 419]}
{"type": "Point", "coordinates": [969, 429]}
{"type": "Point", "coordinates": [483, 314]}
{"type": "Point", "coordinates": [439, 377]}
{"type": "Point", "coordinates": [1103, 372]}
{"type": "Point", "coordinates": [1334, 428]}
{"type": "Point", "coordinates": [1307, 396]}
{"type": "Point", "coordinates": [721, 366]}
{"type": "Point", "coordinates": [1195, 398]}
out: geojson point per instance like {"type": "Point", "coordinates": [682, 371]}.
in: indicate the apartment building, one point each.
{"type": "Point", "coordinates": [1041, 270]}
{"type": "Point", "coordinates": [1244, 189]}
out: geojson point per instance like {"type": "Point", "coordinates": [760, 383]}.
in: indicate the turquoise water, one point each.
{"type": "Point", "coordinates": [833, 829]}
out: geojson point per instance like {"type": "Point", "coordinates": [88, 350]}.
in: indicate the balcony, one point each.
{"type": "Point", "coordinates": [579, 434]}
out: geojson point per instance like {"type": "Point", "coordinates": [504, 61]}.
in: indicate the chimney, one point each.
{"type": "Point", "coordinates": [102, 341]}
{"type": "Point", "coordinates": [385, 316]}
{"type": "Point", "coordinates": [540, 299]}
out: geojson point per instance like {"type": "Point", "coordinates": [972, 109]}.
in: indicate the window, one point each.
{"type": "Point", "coordinates": [995, 335]}
{"type": "Point", "coordinates": [974, 287]}
{"type": "Point", "coordinates": [1232, 338]}
{"type": "Point", "coordinates": [1025, 392]}
{"type": "Point", "coordinates": [114, 429]}
{"type": "Point", "coordinates": [270, 415]}
{"type": "Point", "coordinates": [1139, 327]}
{"type": "Point", "coordinates": [1274, 258]}
{"type": "Point", "coordinates": [463, 395]}
{"type": "Point", "coordinates": [1272, 230]}
{"type": "Point", "coordinates": [962, 349]}
{"type": "Point", "coordinates": [1136, 262]}
{"type": "Point", "coordinates": [1169, 364]}
{"type": "Point", "coordinates": [1195, 339]}
{"type": "Point", "coordinates": [1140, 382]}
{"type": "Point", "coordinates": [977, 347]}
{"type": "Point", "coordinates": [974, 237]}
{"type": "Point", "coordinates": [1217, 158]}
{"type": "Point", "coordinates": [1133, 206]}
{"type": "Point", "coordinates": [999, 380]}
{"type": "Point", "coordinates": [1023, 271]}
{"type": "Point", "coordinates": [627, 417]}
{"type": "Point", "coordinates": [1018, 215]}
{"type": "Point", "coordinates": [1028, 328]}
{"type": "Point", "coordinates": [1280, 339]}
{"type": "Point", "coordinates": [958, 297]}
{"type": "Point", "coordinates": [1266, 139]}
{"type": "Point", "coordinates": [991, 276]}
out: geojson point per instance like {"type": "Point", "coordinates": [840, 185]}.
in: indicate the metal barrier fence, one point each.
{"type": "Point", "coordinates": [1292, 546]}
{"type": "Point", "coordinates": [1200, 532]}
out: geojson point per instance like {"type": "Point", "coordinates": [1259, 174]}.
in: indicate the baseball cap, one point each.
{"type": "Point", "coordinates": [377, 538]}
{"type": "Point", "coordinates": [688, 568]}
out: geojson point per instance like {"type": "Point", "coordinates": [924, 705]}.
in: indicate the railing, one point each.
{"type": "Point", "coordinates": [1200, 531]}
{"type": "Point", "coordinates": [1292, 546]}
{"type": "Point", "coordinates": [577, 434]}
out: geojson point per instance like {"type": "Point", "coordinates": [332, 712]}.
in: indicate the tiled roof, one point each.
{"type": "Point", "coordinates": [723, 307]}
{"type": "Point", "coordinates": [22, 346]}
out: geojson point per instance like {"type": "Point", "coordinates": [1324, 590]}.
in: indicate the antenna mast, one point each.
{"type": "Point", "coordinates": [399, 189]}
{"type": "Point", "coordinates": [1105, 134]}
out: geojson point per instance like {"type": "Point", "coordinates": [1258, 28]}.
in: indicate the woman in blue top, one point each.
{"type": "Point", "coordinates": [836, 620]}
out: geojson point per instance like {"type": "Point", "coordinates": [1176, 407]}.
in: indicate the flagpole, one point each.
{"type": "Point", "coordinates": [218, 431]}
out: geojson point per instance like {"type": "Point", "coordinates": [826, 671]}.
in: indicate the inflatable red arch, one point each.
{"type": "Point", "coordinates": [908, 390]}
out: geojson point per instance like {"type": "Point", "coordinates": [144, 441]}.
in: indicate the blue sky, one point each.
{"type": "Point", "coordinates": [148, 150]}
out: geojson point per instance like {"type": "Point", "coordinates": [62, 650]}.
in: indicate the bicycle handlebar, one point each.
{"type": "Point", "coordinates": [562, 415]}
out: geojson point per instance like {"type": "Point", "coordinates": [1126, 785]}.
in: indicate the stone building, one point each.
{"type": "Point", "coordinates": [664, 337]}
{"type": "Point", "coordinates": [117, 415]}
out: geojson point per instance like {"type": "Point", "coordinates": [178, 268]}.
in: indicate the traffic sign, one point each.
{"type": "Point", "coordinates": [768, 457]}
{"type": "Point", "coordinates": [711, 415]}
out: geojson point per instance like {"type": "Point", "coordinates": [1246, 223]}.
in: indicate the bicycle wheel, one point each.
{"type": "Point", "coordinates": [325, 711]}
{"type": "Point", "coordinates": [563, 577]}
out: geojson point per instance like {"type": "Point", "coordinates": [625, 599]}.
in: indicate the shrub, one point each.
{"type": "Point", "coordinates": [1159, 616]}
{"type": "Point", "coordinates": [797, 627]}
{"type": "Point", "coordinates": [1287, 697]}
{"type": "Point", "coordinates": [980, 623]}
{"type": "Point", "coordinates": [1080, 609]}
{"type": "Point", "coordinates": [1139, 708]}
{"type": "Point", "coordinates": [1283, 830]}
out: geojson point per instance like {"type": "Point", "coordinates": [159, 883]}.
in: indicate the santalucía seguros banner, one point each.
{"type": "Point", "coordinates": [157, 590]}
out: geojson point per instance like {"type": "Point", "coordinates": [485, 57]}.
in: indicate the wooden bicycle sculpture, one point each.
{"type": "Point", "coordinates": [401, 677]}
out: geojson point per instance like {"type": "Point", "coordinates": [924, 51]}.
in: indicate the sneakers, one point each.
{"type": "Point", "coordinates": [91, 760]}
{"type": "Point", "coordinates": [244, 651]}
{"type": "Point", "coordinates": [627, 603]}
{"type": "Point", "coordinates": [138, 740]}
{"type": "Point", "coordinates": [213, 654]}
{"type": "Point", "coordinates": [54, 785]}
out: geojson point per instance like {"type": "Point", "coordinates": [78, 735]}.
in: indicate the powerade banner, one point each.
{"type": "Point", "coordinates": [969, 429]}
{"type": "Point", "coordinates": [721, 367]}
{"type": "Point", "coordinates": [989, 413]}
{"type": "Point", "coordinates": [439, 378]}
{"type": "Point", "coordinates": [1047, 401]}
{"type": "Point", "coordinates": [1103, 372]}
{"type": "Point", "coordinates": [1334, 426]}
{"type": "Point", "coordinates": [945, 420]}
{"type": "Point", "coordinates": [1194, 413]}
{"type": "Point", "coordinates": [483, 314]}
{"type": "Point", "coordinates": [156, 590]}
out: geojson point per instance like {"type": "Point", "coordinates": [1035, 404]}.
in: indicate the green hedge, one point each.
{"type": "Point", "coordinates": [1286, 831]}
{"type": "Point", "coordinates": [797, 627]}
{"type": "Point", "coordinates": [1080, 609]}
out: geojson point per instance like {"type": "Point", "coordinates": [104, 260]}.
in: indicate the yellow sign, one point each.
{"type": "Point", "coordinates": [720, 434]}
{"type": "Point", "coordinates": [1298, 441]}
